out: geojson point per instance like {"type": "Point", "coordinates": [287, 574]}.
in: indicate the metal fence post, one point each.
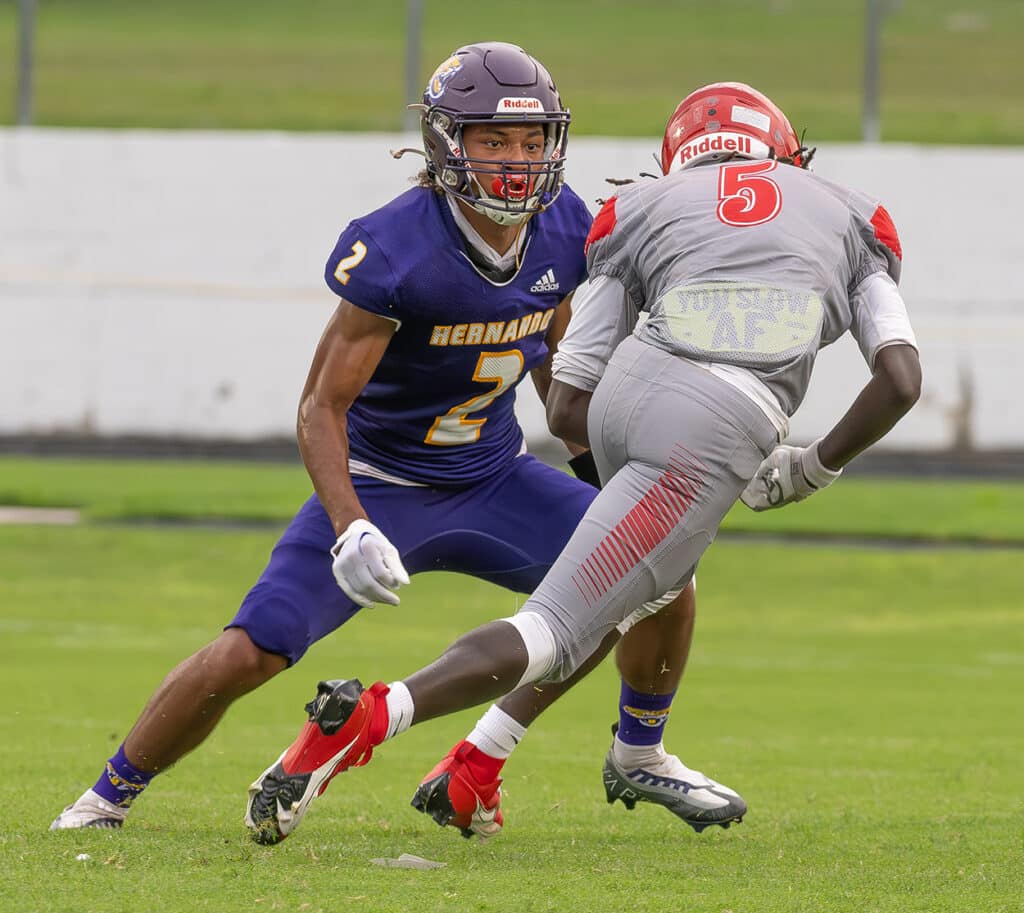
{"type": "Point", "coordinates": [870, 124]}
{"type": "Point", "coordinates": [413, 40]}
{"type": "Point", "coordinates": [26, 32]}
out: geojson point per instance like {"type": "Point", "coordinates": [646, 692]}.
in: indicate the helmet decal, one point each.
{"type": "Point", "coordinates": [442, 75]}
{"type": "Point", "coordinates": [743, 115]}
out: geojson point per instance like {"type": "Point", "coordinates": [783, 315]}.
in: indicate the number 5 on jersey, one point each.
{"type": "Point", "coordinates": [502, 369]}
{"type": "Point", "coordinates": [746, 195]}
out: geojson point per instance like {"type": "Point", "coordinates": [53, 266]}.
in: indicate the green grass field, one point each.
{"type": "Point", "coordinates": [966, 511]}
{"type": "Point", "coordinates": [950, 69]}
{"type": "Point", "coordinates": [862, 699]}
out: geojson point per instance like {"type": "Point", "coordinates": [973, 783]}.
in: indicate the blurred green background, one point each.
{"type": "Point", "coordinates": [950, 69]}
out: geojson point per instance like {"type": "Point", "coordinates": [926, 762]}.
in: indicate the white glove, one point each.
{"type": "Point", "coordinates": [787, 474]}
{"type": "Point", "coordinates": [367, 566]}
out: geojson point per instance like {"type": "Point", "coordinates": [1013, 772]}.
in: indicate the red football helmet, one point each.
{"type": "Point", "coordinates": [728, 120]}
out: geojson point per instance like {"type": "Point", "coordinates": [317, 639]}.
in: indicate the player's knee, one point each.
{"type": "Point", "coordinates": [235, 664]}
{"type": "Point", "coordinates": [228, 667]}
{"type": "Point", "coordinates": [223, 671]}
{"type": "Point", "coordinates": [275, 618]}
{"type": "Point", "coordinates": [543, 650]}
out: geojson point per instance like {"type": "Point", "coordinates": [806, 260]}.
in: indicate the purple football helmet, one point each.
{"type": "Point", "coordinates": [494, 82]}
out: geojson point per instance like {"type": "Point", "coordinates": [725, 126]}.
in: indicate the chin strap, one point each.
{"type": "Point", "coordinates": [520, 235]}
{"type": "Point", "coordinates": [502, 216]}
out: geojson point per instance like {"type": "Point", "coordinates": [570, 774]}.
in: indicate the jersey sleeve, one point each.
{"type": "Point", "coordinates": [609, 246]}
{"type": "Point", "coordinates": [581, 220]}
{"type": "Point", "coordinates": [877, 244]}
{"type": "Point", "coordinates": [602, 316]}
{"type": "Point", "coordinates": [358, 271]}
{"type": "Point", "coordinates": [879, 317]}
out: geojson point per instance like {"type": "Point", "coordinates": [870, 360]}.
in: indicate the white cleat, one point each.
{"type": "Point", "coordinates": [690, 795]}
{"type": "Point", "coordinates": [91, 810]}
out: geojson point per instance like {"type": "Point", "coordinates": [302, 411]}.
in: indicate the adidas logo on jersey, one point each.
{"type": "Point", "coordinates": [546, 283]}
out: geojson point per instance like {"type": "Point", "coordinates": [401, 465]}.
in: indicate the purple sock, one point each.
{"type": "Point", "coordinates": [121, 782]}
{"type": "Point", "coordinates": [642, 717]}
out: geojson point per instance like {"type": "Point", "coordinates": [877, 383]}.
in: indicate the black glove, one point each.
{"type": "Point", "coordinates": [585, 469]}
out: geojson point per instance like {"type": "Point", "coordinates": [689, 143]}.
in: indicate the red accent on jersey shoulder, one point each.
{"type": "Point", "coordinates": [603, 224]}
{"type": "Point", "coordinates": [885, 231]}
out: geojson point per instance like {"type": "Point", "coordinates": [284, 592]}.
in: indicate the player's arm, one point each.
{"type": "Point", "coordinates": [604, 313]}
{"type": "Point", "coordinates": [886, 339]}
{"type": "Point", "coordinates": [894, 387]}
{"type": "Point", "coordinates": [602, 317]}
{"type": "Point", "coordinates": [366, 565]}
{"type": "Point", "coordinates": [348, 353]}
{"type": "Point", "coordinates": [567, 413]}
{"type": "Point", "coordinates": [541, 375]}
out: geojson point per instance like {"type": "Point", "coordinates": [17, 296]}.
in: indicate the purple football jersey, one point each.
{"type": "Point", "coordinates": [439, 407]}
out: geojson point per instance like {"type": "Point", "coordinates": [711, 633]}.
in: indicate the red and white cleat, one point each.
{"type": "Point", "coordinates": [452, 795]}
{"type": "Point", "coordinates": [345, 723]}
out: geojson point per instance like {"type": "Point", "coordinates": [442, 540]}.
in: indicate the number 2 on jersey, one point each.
{"type": "Point", "coordinates": [347, 263]}
{"type": "Point", "coordinates": [746, 196]}
{"type": "Point", "coordinates": [502, 369]}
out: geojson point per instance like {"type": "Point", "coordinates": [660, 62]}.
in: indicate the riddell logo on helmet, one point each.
{"type": "Point", "coordinates": [719, 142]}
{"type": "Point", "coordinates": [506, 105]}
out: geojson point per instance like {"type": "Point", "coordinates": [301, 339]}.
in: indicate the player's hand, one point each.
{"type": "Point", "coordinates": [367, 566]}
{"type": "Point", "coordinates": [787, 474]}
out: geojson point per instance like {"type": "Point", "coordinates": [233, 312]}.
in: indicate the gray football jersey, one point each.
{"type": "Point", "coordinates": [748, 263]}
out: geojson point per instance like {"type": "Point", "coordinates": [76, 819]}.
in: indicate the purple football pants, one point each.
{"type": "Point", "coordinates": [508, 529]}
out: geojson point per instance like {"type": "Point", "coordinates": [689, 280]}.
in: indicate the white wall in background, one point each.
{"type": "Point", "coordinates": [171, 282]}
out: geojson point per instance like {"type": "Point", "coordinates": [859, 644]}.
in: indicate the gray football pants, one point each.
{"type": "Point", "coordinates": [675, 446]}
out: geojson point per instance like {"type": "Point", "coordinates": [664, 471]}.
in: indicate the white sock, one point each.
{"type": "Point", "coordinates": [496, 733]}
{"type": "Point", "coordinates": [633, 756]}
{"type": "Point", "coordinates": [400, 709]}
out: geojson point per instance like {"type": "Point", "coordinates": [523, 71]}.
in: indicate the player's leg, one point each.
{"type": "Point", "coordinates": [182, 711]}
{"type": "Point", "coordinates": [521, 523]}
{"type": "Point", "coordinates": [293, 602]}
{"type": "Point", "coordinates": [422, 523]}
{"type": "Point", "coordinates": [489, 661]}
{"type": "Point", "coordinates": [485, 530]}
{"type": "Point", "coordinates": [652, 654]}
{"type": "Point", "coordinates": [473, 766]}
{"type": "Point", "coordinates": [462, 790]}
{"type": "Point", "coordinates": [655, 518]}
{"type": "Point", "coordinates": [637, 767]}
